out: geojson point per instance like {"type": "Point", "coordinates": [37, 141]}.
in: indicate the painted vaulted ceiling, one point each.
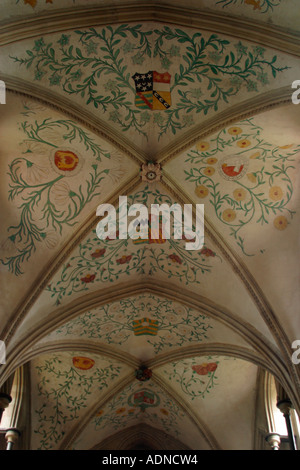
{"type": "Point", "coordinates": [85, 314]}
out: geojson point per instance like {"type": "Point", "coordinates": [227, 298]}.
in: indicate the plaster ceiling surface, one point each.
{"type": "Point", "coordinates": [141, 403]}
{"type": "Point", "coordinates": [249, 176]}
{"type": "Point", "coordinates": [95, 265]}
{"type": "Point", "coordinates": [86, 315]}
{"type": "Point", "coordinates": [145, 326]}
{"type": "Point", "coordinates": [36, 182]}
{"type": "Point", "coordinates": [103, 69]}
{"type": "Point", "coordinates": [224, 398]}
{"type": "Point", "coordinates": [56, 402]}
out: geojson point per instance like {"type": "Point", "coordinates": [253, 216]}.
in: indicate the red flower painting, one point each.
{"type": "Point", "coordinates": [88, 278]}
{"type": "Point", "coordinates": [205, 368]}
{"type": "Point", "coordinates": [207, 252]}
{"type": "Point", "coordinates": [175, 258]}
{"type": "Point", "coordinates": [98, 253]}
{"type": "Point", "coordinates": [125, 259]}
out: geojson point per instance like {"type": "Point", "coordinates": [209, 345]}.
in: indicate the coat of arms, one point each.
{"type": "Point", "coordinates": [152, 90]}
{"type": "Point", "coordinates": [144, 399]}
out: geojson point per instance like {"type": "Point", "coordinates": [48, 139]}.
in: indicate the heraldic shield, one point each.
{"type": "Point", "coordinates": [152, 90]}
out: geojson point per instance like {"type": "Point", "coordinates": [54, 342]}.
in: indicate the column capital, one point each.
{"type": "Point", "coordinates": [5, 400]}
{"type": "Point", "coordinates": [273, 439]}
{"type": "Point", "coordinates": [284, 406]}
{"type": "Point", "coordinates": [12, 435]}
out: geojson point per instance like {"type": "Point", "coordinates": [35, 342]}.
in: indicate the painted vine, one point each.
{"type": "Point", "coordinates": [85, 62]}
{"type": "Point", "coordinates": [173, 325]}
{"type": "Point", "coordinates": [195, 380]}
{"type": "Point", "coordinates": [119, 413]}
{"type": "Point", "coordinates": [258, 196]}
{"type": "Point", "coordinates": [64, 392]}
{"type": "Point", "coordinates": [107, 260]}
{"type": "Point", "coordinates": [44, 187]}
{"type": "Point", "coordinates": [263, 6]}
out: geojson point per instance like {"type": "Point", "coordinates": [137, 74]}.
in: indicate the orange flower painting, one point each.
{"type": "Point", "coordinates": [205, 368]}
{"type": "Point", "coordinates": [65, 160]}
{"type": "Point", "coordinates": [83, 363]}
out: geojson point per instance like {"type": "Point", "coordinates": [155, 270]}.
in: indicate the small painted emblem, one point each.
{"type": "Point", "coordinates": [144, 399]}
{"type": "Point", "coordinates": [233, 168]}
{"type": "Point", "coordinates": [152, 90]}
{"type": "Point", "coordinates": [145, 326]}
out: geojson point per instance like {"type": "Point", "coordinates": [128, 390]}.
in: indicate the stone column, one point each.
{"type": "Point", "coordinates": [12, 435]}
{"type": "Point", "coordinates": [285, 408]}
{"type": "Point", "coordinates": [273, 439]}
{"type": "Point", "coordinates": [5, 400]}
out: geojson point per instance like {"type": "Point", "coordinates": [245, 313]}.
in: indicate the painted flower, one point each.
{"type": "Point", "coordinates": [114, 307]}
{"type": "Point", "coordinates": [207, 252]}
{"type": "Point", "coordinates": [259, 50]}
{"type": "Point", "coordinates": [251, 177]}
{"type": "Point", "coordinates": [236, 81]}
{"type": "Point", "coordinates": [234, 130]}
{"type": "Point", "coordinates": [202, 146]}
{"type": "Point", "coordinates": [243, 143]}
{"type": "Point", "coordinates": [98, 253]}
{"type": "Point", "coordinates": [158, 119]}
{"type": "Point", "coordinates": [240, 48]}
{"type": "Point", "coordinates": [174, 51]}
{"type": "Point", "coordinates": [131, 411]}
{"type": "Point", "coordinates": [65, 160]}
{"type": "Point", "coordinates": [263, 78]}
{"type": "Point", "coordinates": [76, 75]}
{"type": "Point", "coordinates": [100, 413]}
{"type": "Point", "coordinates": [229, 215]}
{"type": "Point", "coordinates": [83, 363]}
{"type": "Point", "coordinates": [284, 147]}
{"type": "Point", "coordinates": [91, 48]}
{"type": "Point", "coordinates": [61, 193]}
{"type": "Point", "coordinates": [50, 239]}
{"type": "Point", "coordinates": [39, 44]}
{"type": "Point", "coordinates": [164, 411]}
{"type": "Point", "coordinates": [255, 155]}
{"type": "Point", "coordinates": [30, 2]}
{"type": "Point", "coordinates": [209, 171]}
{"type": "Point", "coordinates": [145, 117]}
{"type": "Point", "coordinates": [239, 194]}
{"type": "Point", "coordinates": [276, 193]}
{"type": "Point", "coordinates": [35, 173]}
{"type": "Point", "coordinates": [137, 59]}
{"type": "Point", "coordinates": [114, 116]}
{"type": "Point", "coordinates": [201, 191]}
{"type": "Point", "coordinates": [64, 40]}
{"type": "Point", "coordinates": [188, 120]}
{"type": "Point", "coordinates": [111, 85]}
{"type": "Point", "coordinates": [38, 75]}
{"type": "Point", "coordinates": [88, 278]}
{"type": "Point", "coordinates": [175, 258]}
{"type": "Point", "coordinates": [28, 146]}
{"type": "Point", "coordinates": [251, 86]}
{"type": "Point", "coordinates": [165, 62]}
{"type": "Point", "coordinates": [119, 411]}
{"type": "Point", "coordinates": [55, 79]}
{"type": "Point", "coordinates": [211, 161]}
{"type": "Point", "coordinates": [128, 47]}
{"type": "Point", "coordinates": [196, 93]}
{"type": "Point", "coordinates": [280, 222]}
{"type": "Point", "coordinates": [205, 368]}
{"type": "Point", "coordinates": [124, 259]}
{"type": "Point", "coordinates": [215, 56]}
